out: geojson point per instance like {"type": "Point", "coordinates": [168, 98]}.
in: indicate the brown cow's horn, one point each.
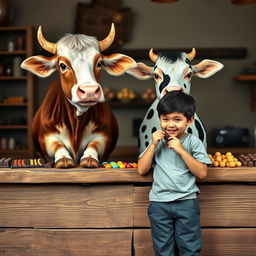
{"type": "Point", "coordinates": [152, 55]}
{"type": "Point", "coordinates": [105, 43]}
{"type": "Point", "coordinates": [192, 54]}
{"type": "Point", "coordinates": [50, 47]}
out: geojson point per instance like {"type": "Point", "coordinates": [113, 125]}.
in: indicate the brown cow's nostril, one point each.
{"type": "Point", "coordinates": [80, 90]}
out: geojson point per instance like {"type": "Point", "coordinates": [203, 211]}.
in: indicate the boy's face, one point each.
{"type": "Point", "coordinates": [175, 124]}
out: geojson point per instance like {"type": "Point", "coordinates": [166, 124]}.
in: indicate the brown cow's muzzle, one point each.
{"type": "Point", "coordinates": [88, 95]}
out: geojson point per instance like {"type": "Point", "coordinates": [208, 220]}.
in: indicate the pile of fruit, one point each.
{"type": "Point", "coordinates": [126, 95]}
{"type": "Point", "coordinates": [148, 95]}
{"type": "Point", "coordinates": [248, 159]}
{"type": "Point", "coordinates": [224, 160]}
{"type": "Point", "coordinates": [119, 164]}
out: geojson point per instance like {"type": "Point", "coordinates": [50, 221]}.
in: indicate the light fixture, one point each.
{"type": "Point", "coordinates": [243, 2]}
{"type": "Point", "coordinates": [164, 1]}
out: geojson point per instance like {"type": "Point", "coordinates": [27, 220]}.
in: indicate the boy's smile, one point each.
{"type": "Point", "coordinates": [174, 124]}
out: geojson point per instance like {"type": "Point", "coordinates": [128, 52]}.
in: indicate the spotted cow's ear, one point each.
{"type": "Point", "coordinates": [40, 65]}
{"type": "Point", "coordinates": [141, 71]}
{"type": "Point", "coordinates": [116, 64]}
{"type": "Point", "coordinates": [207, 68]}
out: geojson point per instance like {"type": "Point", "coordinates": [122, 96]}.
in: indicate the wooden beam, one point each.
{"type": "Point", "coordinates": [215, 53]}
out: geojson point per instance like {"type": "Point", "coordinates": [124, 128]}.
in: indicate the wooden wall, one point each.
{"type": "Point", "coordinates": [89, 219]}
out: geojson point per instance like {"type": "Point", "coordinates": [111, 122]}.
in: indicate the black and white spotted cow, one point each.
{"type": "Point", "coordinates": [172, 71]}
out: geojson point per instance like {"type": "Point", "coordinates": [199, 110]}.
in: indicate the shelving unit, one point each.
{"type": "Point", "coordinates": [16, 117]}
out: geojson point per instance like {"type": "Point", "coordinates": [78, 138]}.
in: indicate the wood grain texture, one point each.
{"type": "Point", "coordinates": [228, 205]}
{"type": "Point", "coordinates": [223, 205]}
{"type": "Point", "coordinates": [66, 206]}
{"type": "Point", "coordinates": [74, 175]}
{"type": "Point", "coordinates": [29, 242]}
{"type": "Point", "coordinates": [102, 175]}
{"type": "Point", "coordinates": [216, 242]}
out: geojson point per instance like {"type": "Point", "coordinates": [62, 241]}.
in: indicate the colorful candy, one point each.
{"type": "Point", "coordinates": [119, 164]}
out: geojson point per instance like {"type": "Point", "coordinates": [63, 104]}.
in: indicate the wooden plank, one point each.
{"type": "Point", "coordinates": [216, 242]}
{"type": "Point", "coordinates": [102, 175]}
{"type": "Point", "coordinates": [43, 242]}
{"type": "Point", "coordinates": [141, 206]}
{"type": "Point", "coordinates": [66, 206]}
{"type": "Point", "coordinates": [74, 175]}
{"type": "Point", "coordinates": [228, 205]}
{"type": "Point", "coordinates": [229, 242]}
{"type": "Point", "coordinates": [223, 205]}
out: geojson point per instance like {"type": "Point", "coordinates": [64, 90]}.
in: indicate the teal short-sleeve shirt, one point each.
{"type": "Point", "coordinates": [172, 180]}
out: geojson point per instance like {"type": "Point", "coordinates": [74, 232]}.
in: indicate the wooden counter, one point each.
{"type": "Point", "coordinates": [89, 212]}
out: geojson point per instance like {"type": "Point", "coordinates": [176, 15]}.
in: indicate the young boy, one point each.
{"type": "Point", "coordinates": [179, 158]}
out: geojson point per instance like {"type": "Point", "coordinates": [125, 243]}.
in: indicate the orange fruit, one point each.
{"type": "Point", "coordinates": [222, 164]}
{"type": "Point", "coordinates": [232, 164]}
{"type": "Point", "coordinates": [238, 164]}
{"type": "Point", "coordinates": [216, 163]}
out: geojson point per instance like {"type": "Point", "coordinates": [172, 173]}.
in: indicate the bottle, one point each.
{"type": "Point", "coordinates": [11, 143]}
{"type": "Point", "coordinates": [3, 143]}
{"type": "Point", "coordinates": [11, 45]}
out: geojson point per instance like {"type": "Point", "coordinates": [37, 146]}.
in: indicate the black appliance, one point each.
{"type": "Point", "coordinates": [232, 137]}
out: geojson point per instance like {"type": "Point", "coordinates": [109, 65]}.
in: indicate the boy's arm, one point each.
{"type": "Point", "coordinates": [196, 167]}
{"type": "Point", "coordinates": [145, 162]}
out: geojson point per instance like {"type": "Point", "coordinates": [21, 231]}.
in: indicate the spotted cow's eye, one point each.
{"type": "Point", "coordinates": [189, 75]}
{"type": "Point", "coordinates": [63, 67]}
{"type": "Point", "coordinates": [156, 76]}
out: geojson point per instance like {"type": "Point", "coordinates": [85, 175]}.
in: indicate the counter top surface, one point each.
{"type": "Point", "coordinates": [102, 175]}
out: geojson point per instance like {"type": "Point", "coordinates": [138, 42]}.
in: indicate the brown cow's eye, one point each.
{"type": "Point", "coordinates": [63, 67]}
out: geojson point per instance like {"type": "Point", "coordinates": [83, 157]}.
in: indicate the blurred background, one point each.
{"type": "Point", "coordinates": [222, 100]}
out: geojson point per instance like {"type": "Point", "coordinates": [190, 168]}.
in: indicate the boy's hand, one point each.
{"type": "Point", "coordinates": [157, 136]}
{"type": "Point", "coordinates": [174, 143]}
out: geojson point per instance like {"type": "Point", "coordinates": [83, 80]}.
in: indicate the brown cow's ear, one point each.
{"type": "Point", "coordinates": [207, 68]}
{"type": "Point", "coordinates": [141, 71]}
{"type": "Point", "coordinates": [116, 64]}
{"type": "Point", "coordinates": [40, 65]}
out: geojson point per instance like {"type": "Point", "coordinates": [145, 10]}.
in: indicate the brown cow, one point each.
{"type": "Point", "coordinates": [74, 124]}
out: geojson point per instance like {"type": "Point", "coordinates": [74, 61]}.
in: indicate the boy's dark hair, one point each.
{"type": "Point", "coordinates": [177, 101]}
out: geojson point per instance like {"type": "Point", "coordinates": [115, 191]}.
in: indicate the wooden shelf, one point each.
{"type": "Point", "coordinates": [13, 29]}
{"type": "Point", "coordinates": [13, 127]}
{"type": "Point", "coordinates": [252, 80]}
{"type": "Point", "coordinates": [130, 104]}
{"type": "Point", "coordinates": [21, 52]}
{"type": "Point", "coordinates": [244, 78]}
{"type": "Point", "coordinates": [24, 104]}
{"type": "Point", "coordinates": [13, 77]}
{"type": "Point", "coordinates": [215, 53]}
{"type": "Point", "coordinates": [25, 82]}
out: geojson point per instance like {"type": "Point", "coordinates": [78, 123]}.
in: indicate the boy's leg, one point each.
{"type": "Point", "coordinates": [162, 228]}
{"type": "Point", "coordinates": [187, 227]}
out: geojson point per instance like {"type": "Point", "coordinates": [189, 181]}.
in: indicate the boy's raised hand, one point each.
{"type": "Point", "coordinates": [174, 143]}
{"type": "Point", "coordinates": [157, 136]}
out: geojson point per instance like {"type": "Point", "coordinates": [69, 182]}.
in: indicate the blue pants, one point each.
{"type": "Point", "coordinates": [175, 224]}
